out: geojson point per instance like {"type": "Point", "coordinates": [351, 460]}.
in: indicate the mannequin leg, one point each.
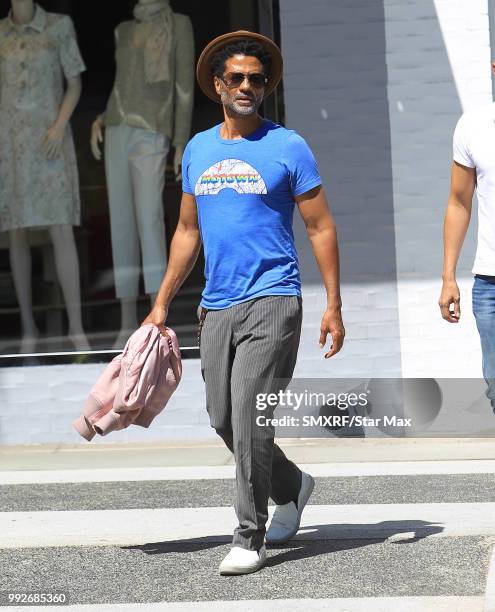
{"type": "Point", "coordinates": [129, 320]}
{"type": "Point", "coordinates": [148, 163]}
{"type": "Point", "coordinates": [125, 243]}
{"type": "Point", "coordinates": [20, 263]}
{"type": "Point", "coordinates": [67, 266]}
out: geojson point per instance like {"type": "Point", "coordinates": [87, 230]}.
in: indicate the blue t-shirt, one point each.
{"type": "Point", "coordinates": [244, 191]}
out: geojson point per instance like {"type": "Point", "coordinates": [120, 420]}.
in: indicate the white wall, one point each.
{"type": "Point", "coordinates": [438, 61]}
{"type": "Point", "coordinates": [335, 90]}
{"type": "Point", "coordinates": [376, 87]}
{"type": "Point", "coordinates": [39, 403]}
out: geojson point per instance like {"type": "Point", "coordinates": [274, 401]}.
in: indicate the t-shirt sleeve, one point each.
{"type": "Point", "coordinates": [302, 165]}
{"type": "Point", "coordinates": [461, 152]}
{"type": "Point", "coordinates": [70, 56]}
{"type": "Point", "coordinates": [186, 158]}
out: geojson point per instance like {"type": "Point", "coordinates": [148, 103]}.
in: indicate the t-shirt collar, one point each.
{"type": "Point", "coordinates": [233, 141]}
{"type": "Point", "coordinates": [38, 22]}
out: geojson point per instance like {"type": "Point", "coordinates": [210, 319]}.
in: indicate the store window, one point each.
{"type": "Point", "coordinates": [39, 269]}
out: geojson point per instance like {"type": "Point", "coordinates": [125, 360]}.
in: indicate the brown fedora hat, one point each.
{"type": "Point", "coordinates": [203, 69]}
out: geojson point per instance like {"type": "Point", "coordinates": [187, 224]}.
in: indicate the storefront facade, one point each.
{"type": "Point", "coordinates": [376, 89]}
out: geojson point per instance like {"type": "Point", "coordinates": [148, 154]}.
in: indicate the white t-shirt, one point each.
{"type": "Point", "coordinates": [474, 147]}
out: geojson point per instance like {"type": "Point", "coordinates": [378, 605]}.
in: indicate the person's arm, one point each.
{"type": "Point", "coordinates": [322, 234]}
{"type": "Point", "coordinates": [72, 65]}
{"type": "Point", "coordinates": [184, 90]}
{"type": "Point", "coordinates": [457, 218]}
{"type": "Point", "coordinates": [184, 252]}
{"type": "Point", "coordinates": [52, 143]}
{"type": "Point", "coordinates": [99, 123]}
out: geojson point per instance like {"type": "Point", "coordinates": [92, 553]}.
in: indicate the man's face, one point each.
{"type": "Point", "coordinates": [244, 98]}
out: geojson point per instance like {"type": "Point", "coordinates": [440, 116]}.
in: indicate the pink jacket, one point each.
{"type": "Point", "coordinates": [135, 386]}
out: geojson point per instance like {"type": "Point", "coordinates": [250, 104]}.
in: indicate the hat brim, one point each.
{"type": "Point", "coordinates": [203, 68]}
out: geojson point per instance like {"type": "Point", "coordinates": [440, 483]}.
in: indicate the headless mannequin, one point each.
{"type": "Point", "coordinates": [129, 320]}
{"type": "Point", "coordinates": [62, 236]}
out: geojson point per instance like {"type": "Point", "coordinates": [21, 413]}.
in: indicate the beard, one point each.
{"type": "Point", "coordinates": [231, 102]}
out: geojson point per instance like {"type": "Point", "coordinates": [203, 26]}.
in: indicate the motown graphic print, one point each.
{"type": "Point", "coordinates": [230, 174]}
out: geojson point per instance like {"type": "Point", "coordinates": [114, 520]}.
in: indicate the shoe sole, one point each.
{"type": "Point", "coordinates": [240, 572]}
{"type": "Point", "coordinates": [304, 501]}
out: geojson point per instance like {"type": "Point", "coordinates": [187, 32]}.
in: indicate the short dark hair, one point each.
{"type": "Point", "coordinates": [240, 47]}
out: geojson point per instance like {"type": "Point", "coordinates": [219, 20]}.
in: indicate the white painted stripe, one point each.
{"type": "Point", "coordinates": [118, 474]}
{"type": "Point", "coordinates": [490, 585]}
{"type": "Point", "coordinates": [382, 468]}
{"type": "Point", "coordinates": [343, 604]}
{"type": "Point", "coordinates": [342, 522]}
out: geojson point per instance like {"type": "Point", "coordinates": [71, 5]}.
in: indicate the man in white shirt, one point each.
{"type": "Point", "coordinates": [473, 167]}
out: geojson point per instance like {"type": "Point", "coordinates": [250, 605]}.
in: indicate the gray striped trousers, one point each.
{"type": "Point", "coordinates": [244, 349]}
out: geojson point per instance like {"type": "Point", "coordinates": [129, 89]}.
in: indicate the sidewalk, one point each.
{"type": "Point", "coordinates": [300, 450]}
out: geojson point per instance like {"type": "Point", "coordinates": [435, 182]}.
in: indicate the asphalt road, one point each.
{"type": "Point", "coordinates": [435, 569]}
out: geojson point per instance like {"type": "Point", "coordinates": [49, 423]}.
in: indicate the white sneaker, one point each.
{"type": "Point", "coordinates": [243, 561]}
{"type": "Point", "coordinates": [287, 518]}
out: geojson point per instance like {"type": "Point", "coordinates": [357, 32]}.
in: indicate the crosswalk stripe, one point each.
{"type": "Point", "coordinates": [125, 527]}
{"type": "Point", "coordinates": [384, 468]}
{"type": "Point", "coordinates": [490, 585]}
{"type": "Point", "coordinates": [362, 604]}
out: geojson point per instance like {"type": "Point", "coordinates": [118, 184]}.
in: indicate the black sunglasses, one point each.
{"type": "Point", "coordinates": [235, 79]}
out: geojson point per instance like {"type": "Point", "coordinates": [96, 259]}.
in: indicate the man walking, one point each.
{"type": "Point", "coordinates": [241, 180]}
{"type": "Point", "coordinates": [473, 167]}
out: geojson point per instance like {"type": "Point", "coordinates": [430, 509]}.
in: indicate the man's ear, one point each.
{"type": "Point", "coordinates": [217, 84]}
{"type": "Point", "coordinates": [493, 67]}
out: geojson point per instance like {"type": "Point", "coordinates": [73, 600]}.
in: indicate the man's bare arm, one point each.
{"type": "Point", "coordinates": [457, 218]}
{"type": "Point", "coordinates": [322, 234]}
{"type": "Point", "coordinates": [184, 251]}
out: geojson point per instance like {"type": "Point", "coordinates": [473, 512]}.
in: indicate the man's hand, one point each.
{"type": "Point", "coordinates": [332, 324]}
{"type": "Point", "coordinates": [450, 295]}
{"type": "Point", "coordinates": [157, 316]}
{"type": "Point", "coordinates": [52, 143]}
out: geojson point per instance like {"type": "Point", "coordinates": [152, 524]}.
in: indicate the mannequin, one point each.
{"type": "Point", "coordinates": [38, 181]}
{"type": "Point", "coordinates": [149, 110]}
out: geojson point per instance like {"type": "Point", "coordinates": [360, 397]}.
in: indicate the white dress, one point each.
{"type": "Point", "coordinates": [35, 191]}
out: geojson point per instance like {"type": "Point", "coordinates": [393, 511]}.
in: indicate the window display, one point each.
{"type": "Point", "coordinates": [94, 119]}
